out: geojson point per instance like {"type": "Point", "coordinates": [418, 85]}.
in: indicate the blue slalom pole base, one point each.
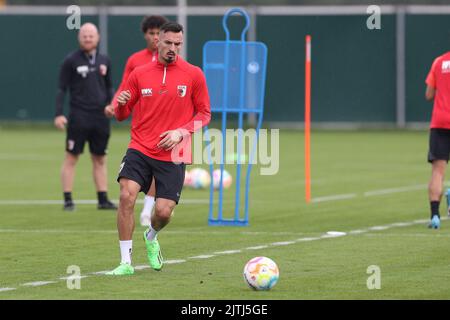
{"type": "Point", "coordinates": [227, 222]}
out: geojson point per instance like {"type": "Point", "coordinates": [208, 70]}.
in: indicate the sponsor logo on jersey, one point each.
{"type": "Point", "coordinates": [83, 70]}
{"type": "Point", "coordinates": [446, 66]}
{"type": "Point", "coordinates": [147, 92]}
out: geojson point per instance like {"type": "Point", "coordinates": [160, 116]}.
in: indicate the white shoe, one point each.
{"type": "Point", "coordinates": [145, 220]}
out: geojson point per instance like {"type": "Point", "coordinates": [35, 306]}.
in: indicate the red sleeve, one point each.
{"type": "Point", "coordinates": [431, 79]}
{"type": "Point", "coordinates": [123, 112]}
{"type": "Point", "coordinates": [200, 100]}
{"type": "Point", "coordinates": [126, 74]}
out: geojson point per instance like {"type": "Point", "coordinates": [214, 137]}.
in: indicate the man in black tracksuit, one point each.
{"type": "Point", "coordinates": [87, 75]}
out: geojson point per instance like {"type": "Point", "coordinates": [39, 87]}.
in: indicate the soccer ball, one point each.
{"type": "Point", "coordinates": [261, 273]}
{"type": "Point", "coordinates": [226, 179]}
{"type": "Point", "coordinates": [200, 178]}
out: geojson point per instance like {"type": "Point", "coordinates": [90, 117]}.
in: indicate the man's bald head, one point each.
{"type": "Point", "coordinates": [88, 37]}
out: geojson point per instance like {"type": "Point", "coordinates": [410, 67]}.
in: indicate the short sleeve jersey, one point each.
{"type": "Point", "coordinates": [439, 79]}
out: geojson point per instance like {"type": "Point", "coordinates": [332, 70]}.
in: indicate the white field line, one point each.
{"type": "Point", "coordinates": [174, 261]}
{"type": "Point", "coordinates": [407, 235]}
{"type": "Point", "coordinates": [377, 228]}
{"type": "Point", "coordinates": [141, 267]}
{"type": "Point", "coordinates": [281, 233]}
{"type": "Point", "coordinates": [395, 190]}
{"type": "Point", "coordinates": [228, 252]}
{"type": "Point", "coordinates": [37, 283]}
{"type": "Point", "coordinates": [370, 193]}
{"type": "Point", "coordinates": [334, 197]}
{"type": "Point", "coordinates": [99, 273]}
{"type": "Point", "coordinates": [326, 236]}
{"type": "Point", "coordinates": [284, 243]}
{"type": "Point", "coordinates": [73, 277]}
{"type": "Point", "coordinates": [359, 231]}
{"type": "Point", "coordinates": [307, 239]}
{"type": "Point", "coordinates": [203, 256]}
{"type": "Point", "coordinates": [256, 247]}
{"type": "Point", "coordinates": [401, 224]}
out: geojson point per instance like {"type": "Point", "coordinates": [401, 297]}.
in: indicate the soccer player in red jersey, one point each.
{"type": "Point", "coordinates": [168, 101]}
{"type": "Point", "coordinates": [438, 88]}
{"type": "Point", "coordinates": [150, 27]}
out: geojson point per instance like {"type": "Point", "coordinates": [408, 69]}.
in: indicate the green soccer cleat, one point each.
{"type": "Point", "coordinates": [124, 269]}
{"type": "Point", "coordinates": [153, 253]}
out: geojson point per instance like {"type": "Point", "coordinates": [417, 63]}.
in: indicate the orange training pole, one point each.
{"type": "Point", "coordinates": [308, 120]}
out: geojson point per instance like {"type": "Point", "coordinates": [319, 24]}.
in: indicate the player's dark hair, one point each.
{"type": "Point", "coordinates": [152, 22]}
{"type": "Point", "coordinates": [171, 27]}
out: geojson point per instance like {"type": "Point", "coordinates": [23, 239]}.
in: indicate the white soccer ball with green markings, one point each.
{"type": "Point", "coordinates": [261, 273]}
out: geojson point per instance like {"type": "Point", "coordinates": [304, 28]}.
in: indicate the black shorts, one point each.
{"type": "Point", "coordinates": [439, 148]}
{"type": "Point", "coordinates": [96, 131]}
{"type": "Point", "coordinates": [169, 177]}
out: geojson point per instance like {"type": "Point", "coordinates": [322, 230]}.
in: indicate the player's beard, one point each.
{"type": "Point", "coordinates": [170, 58]}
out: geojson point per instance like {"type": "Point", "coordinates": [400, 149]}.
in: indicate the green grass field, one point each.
{"type": "Point", "coordinates": [382, 175]}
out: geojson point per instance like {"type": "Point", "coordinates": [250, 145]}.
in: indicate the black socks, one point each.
{"type": "Point", "coordinates": [434, 205]}
{"type": "Point", "coordinates": [102, 197]}
{"type": "Point", "coordinates": [67, 196]}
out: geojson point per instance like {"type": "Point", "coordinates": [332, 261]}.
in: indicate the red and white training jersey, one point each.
{"type": "Point", "coordinates": [164, 97]}
{"type": "Point", "coordinates": [439, 79]}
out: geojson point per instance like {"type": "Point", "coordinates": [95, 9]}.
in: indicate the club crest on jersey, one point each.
{"type": "Point", "coordinates": [147, 92]}
{"type": "Point", "coordinates": [103, 69]}
{"type": "Point", "coordinates": [182, 91]}
{"type": "Point", "coordinates": [446, 66]}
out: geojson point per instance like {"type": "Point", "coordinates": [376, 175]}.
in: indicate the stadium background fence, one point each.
{"type": "Point", "coordinates": [360, 77]}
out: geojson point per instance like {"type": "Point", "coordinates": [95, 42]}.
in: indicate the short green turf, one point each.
{"type": "Point", "coordinates": [38, 242]}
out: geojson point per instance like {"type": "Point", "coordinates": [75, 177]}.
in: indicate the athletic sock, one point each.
{"type": "Point", "coordinates": [149, 202]}
{"type": "Point", "coordinates": [434, 208]}
{"type": "Point", "coordinates": [126, 249]}
{"type": "Point", "coordinates": [151, 234]}
{"type": "Point", "coordinates": [102, 196]}
{"type": "Point", "coordinates": [67, 196]}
